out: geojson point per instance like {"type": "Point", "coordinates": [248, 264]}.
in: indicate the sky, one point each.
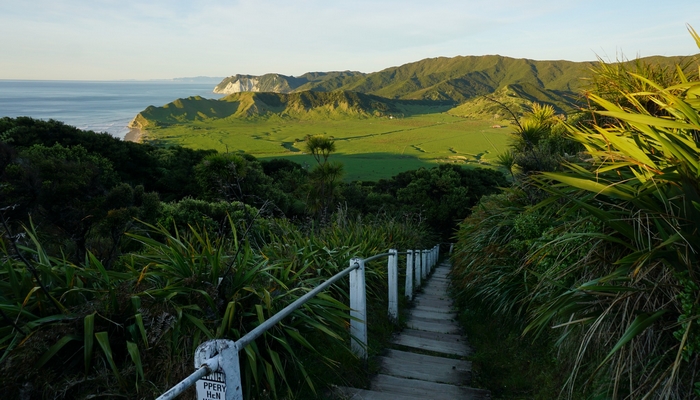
{"type": "Point", "coordinates": [159, 39]}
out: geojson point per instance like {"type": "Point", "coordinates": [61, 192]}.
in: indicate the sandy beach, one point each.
{"type": "Point", "coordinates": [134, 135]}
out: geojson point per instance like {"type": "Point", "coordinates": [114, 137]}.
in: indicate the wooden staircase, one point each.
{"type": "Point", "coordinates": [427, 359]}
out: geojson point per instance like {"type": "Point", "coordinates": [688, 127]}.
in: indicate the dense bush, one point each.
{"type": "Point", "coordinates": [69, 330]}
{"type": "Point", "coordinates": [440, 196]}
{"type": "Point", "coordinates": [602, 248]}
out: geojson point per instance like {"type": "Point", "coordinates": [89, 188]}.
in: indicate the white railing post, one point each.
{"type": "Point", "coordinates": [452, 245]}
{"type": "Point", "coordinates": [409, 275]}
{"type": "Point", "coordinates": [393, 275]}
{"type": "Point", "coordinates": [358, 309]}
{"type": "Point", "coordinates": [430, 261]}
{"type": "Point", "coordinates": [418, 268]}
{"type": "Point", "coordinates": [228, 371]}
{"type": "Point", "coordinates": [217, 363]}
{"type": "Point", "coordinates": [437, 253]}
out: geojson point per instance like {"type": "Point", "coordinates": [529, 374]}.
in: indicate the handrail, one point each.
{"type": "Point", "coordinates": [269, 323]}
{"type": "Point", "coordinates": [220, 356]}
{"type": "Point", "coordinates": [374, 257]}
{"type": "Point", "coordinates": [184, 384]}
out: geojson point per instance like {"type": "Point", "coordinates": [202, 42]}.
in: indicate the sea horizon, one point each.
{"type": "Point", "coordinates": [101, 106]}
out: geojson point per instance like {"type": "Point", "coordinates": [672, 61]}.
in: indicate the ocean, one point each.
{"type": "Point", "coordinates": [101, 106]}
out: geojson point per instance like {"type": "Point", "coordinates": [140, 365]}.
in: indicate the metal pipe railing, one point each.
{"type": "Point", "coordinates": [272, 321]}
{"type": "Point", "coordinates": [185, 384]}
{"type": "Point", "coordinates": [220, 356]}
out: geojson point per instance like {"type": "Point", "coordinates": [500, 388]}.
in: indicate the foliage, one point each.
{"type": "Point", "coordinates": [212, 216]}
{"type": "Point", "coordinates": [602, 247]}
{"type": "Point", "coordinates": [454, 79]}
{"type": "Point", "coordinates": [237, 177]}
{"type": "Point", "coordinates": [324, 177]}
{"type": "Point", "coordinates": [539, 141]}
{"type": "Point", "coordinates": [370, 149]}
{"type": "Point", "coordinates": [439, 196]}
{"type": "Point", "coordinates": [69, 330]}
{"type": "Point", "coordinates": [64, 186]}
{"type": "Point", "coordinates": [509, 365]}
{"type": "Point", "coordinates": [165, 170]}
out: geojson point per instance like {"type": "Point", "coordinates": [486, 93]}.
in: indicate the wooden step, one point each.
{"type": "Point", "coordinates": [449, 316]}
{"type": "Point", "coordinates": [444, 337]}
{"type": "Point", "coordinates": [432, 326]}
{"type": "Point", "coordinates": [434, 345]}
{"type": "Point", "coordinates": [403, 364]}
{"type": "Point", "coordinates": [424, 308]}
{"type": "Point", "coordinates": [434, 302]}
{"type": "Point", "coordinates": [424, 389]}
{"type": "Point", "coordinates": [407, 372]}
{"type": "Point", "coordinates": [348, 393]}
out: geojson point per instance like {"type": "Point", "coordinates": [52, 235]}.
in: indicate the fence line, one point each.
{"type": "Point", "coordinates": [217, 361]}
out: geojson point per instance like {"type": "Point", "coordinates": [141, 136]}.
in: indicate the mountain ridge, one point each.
{"type": "Point", "coordinates": [468, 82]}
{"type": "Point", "coordinates": [275, 82]}
{"type": "Point", "coordinates": [443, 78]}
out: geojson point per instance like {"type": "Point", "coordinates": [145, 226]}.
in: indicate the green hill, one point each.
{"type": "Point", "coordinates": [455, 79]}
{"type": "Point", "coordinates": [462, 78]}
{"type": "Point", "coordinates": [298, 105]}
{"type": "Point", "coordinates": [518, 98]}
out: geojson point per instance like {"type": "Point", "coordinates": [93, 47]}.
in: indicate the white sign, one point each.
{"type": "Point", "coordinates": [212, 387]}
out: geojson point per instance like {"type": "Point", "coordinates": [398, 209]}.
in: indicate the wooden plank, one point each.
{"type": "Point", "coordinates": [432, 327]}
{"type": "Point", "coordinates": [436, 278]}
{"type": "Point", "coordinates": [445, 337]}
{"type": "Point", "coordinates": [437, 294]}
{"type": "Point", "coordinates": [435, 303]}
{"type": "Point", "coordinates": [428, 390]}
{"type": "Point", "coordinates": [444, 321]}
{"type": "Point", "coordinates": [441, 295]}
{"type": "Point", "coordinates": [435, 288]}
{"type": "Point", "coordinates": [434, 315]}
{"type": "Point", "coordinates": [403, 364]}
{"type": "Point", "coordinates": [348, 393]}
{"type": "Point", "coordinates": [439, 327]}
{"type": "Point", "coordinates": [432, 297]}
{"type": "Point", "coordinates": [437, 346]}
{"type": "Point", "coordinates": [444, 310]}
{"type": "Point", "coordinates": [436, 284]}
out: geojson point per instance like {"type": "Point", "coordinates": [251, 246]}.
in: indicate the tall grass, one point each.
{"type": "Point", "coordinates": [73, 330]}
{"type": "Point", "coordinates": [608, 260]}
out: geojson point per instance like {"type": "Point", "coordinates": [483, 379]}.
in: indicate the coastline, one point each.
{"type": "Point", "coordinates": [135, 135]}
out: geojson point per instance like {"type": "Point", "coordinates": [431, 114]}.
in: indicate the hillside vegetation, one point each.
{"type": "Point", "coordinates": [118, 259]}
{"type": "Point", "coordinates": [453, 79]}
{"type": "Point", "coordinates": [434, 110]}
{"type": "Point", "coordinates": [299, 106]}
{"type": "Point", "coordinates": [594, 248]}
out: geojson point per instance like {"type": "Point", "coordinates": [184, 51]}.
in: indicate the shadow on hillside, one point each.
{"type": "Point", "coordinates": [421, 107]}
{"type": "Point", "coordinates": [368, 166]}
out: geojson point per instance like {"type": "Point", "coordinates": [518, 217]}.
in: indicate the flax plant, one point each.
{"type": "Point", "coordinates": [634, 307]}
{"type": "Point", "coordinates": [607, 255]}
{"type": "Point", "coordinates": [77, 329]}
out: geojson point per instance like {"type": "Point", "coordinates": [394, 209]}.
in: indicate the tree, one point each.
{"type": "Point", "coordinates": [240, 177]}
{"type": "Point", "coordinates": [324, 177]}
{"type": "Point", "coordinates": [65, 186]}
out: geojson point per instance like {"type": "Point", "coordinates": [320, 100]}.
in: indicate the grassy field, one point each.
{"type": "Point", "coordinates": [370, 148]}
